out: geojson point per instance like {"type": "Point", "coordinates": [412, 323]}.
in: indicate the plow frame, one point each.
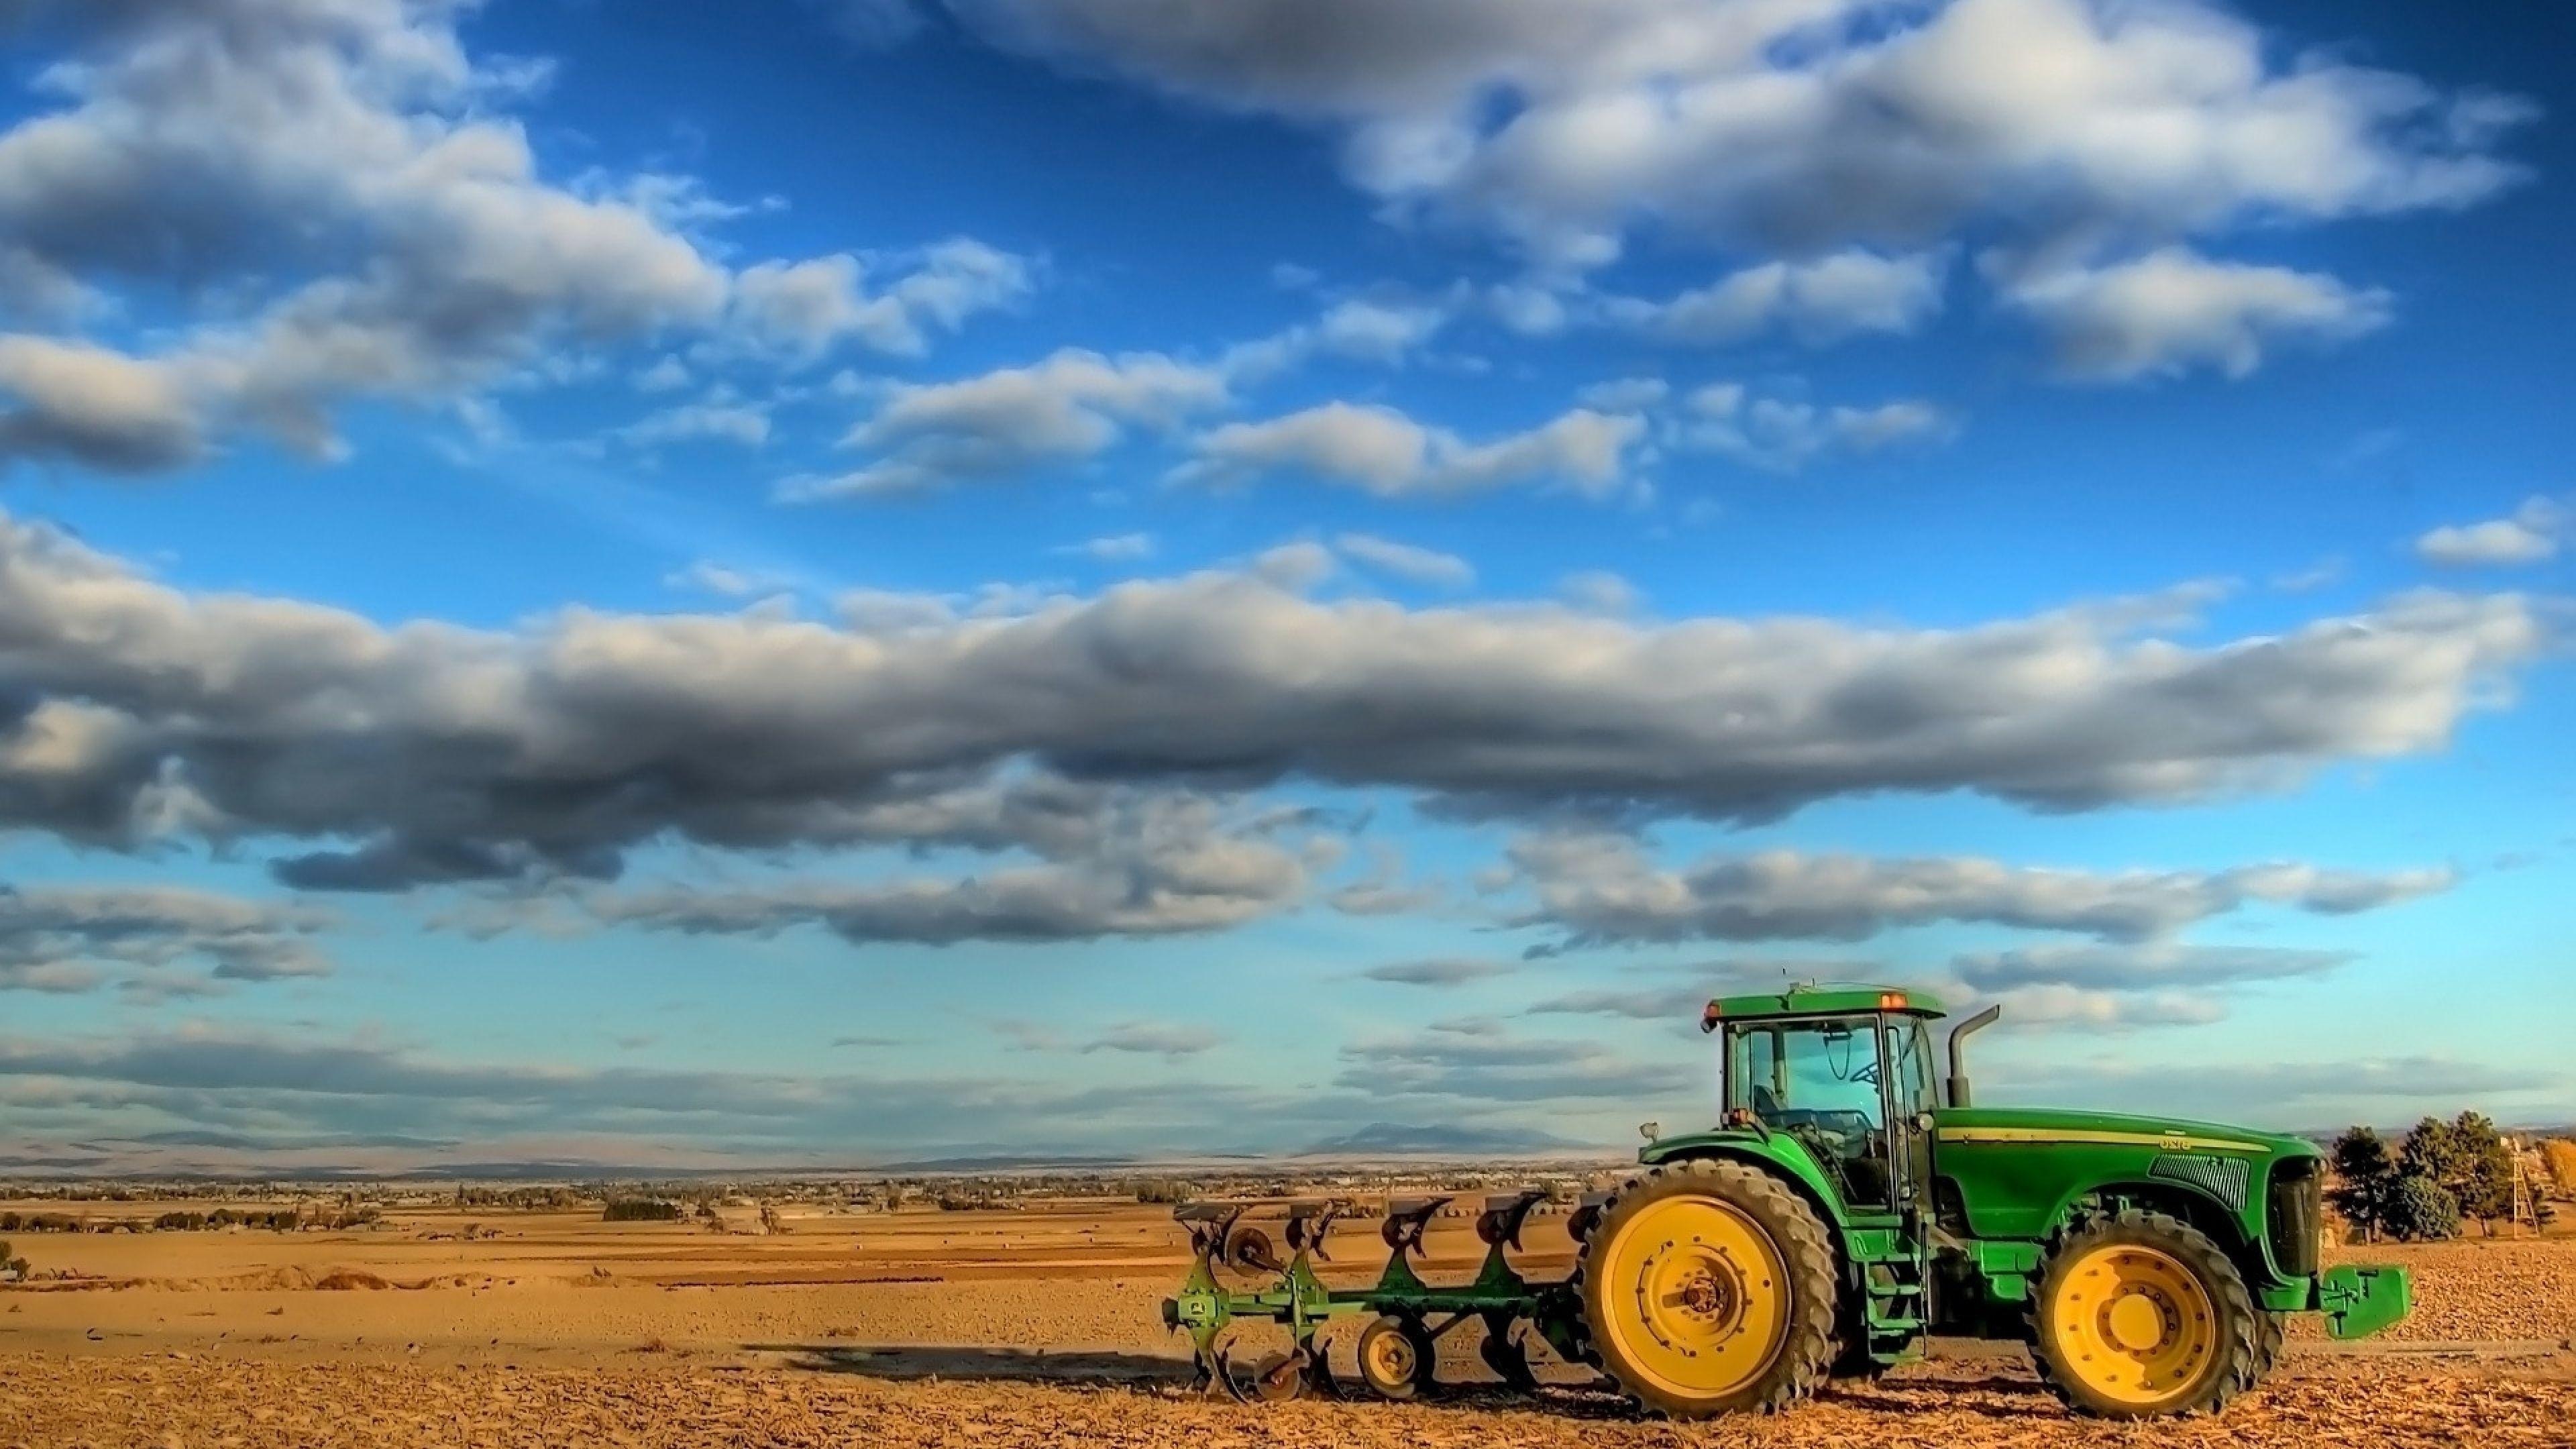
{"type": "Point", "coordinates": [1297, 1297]}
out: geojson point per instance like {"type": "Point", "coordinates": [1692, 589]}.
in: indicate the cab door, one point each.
{"type": "Point", "coordinates": [1912, 1097]}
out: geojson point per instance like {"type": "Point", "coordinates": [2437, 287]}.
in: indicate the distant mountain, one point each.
{"type": "Point", "coordinates": [1392, 1139]}
{"type": "Point", "coordinates": [1006, 1162]}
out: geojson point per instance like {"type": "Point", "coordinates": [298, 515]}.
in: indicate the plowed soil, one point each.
{"type": "Point", "coordinates": [47, 1401]}
{"type": "Point", "coordinates": [1011, 1328]}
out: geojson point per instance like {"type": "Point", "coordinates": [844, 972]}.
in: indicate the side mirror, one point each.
{"type": "Point", "coordinates": [1650, 1130]}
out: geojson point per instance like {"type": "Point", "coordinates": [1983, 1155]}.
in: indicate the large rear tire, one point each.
{"type": "Point", "coordinates": [1708, 1288]}
{"type": "Point", "coordinates": [2140, 1315]}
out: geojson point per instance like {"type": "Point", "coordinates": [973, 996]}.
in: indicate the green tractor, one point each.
{"type": "Point", "coordinates": [1845, 1207]}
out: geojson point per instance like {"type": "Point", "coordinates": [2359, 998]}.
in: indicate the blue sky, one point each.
{"type": "Point", "coordinates": [851, 578]}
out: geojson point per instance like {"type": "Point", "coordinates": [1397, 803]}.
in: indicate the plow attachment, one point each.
{"type": "Point", "coordinates": [1399, 1348]}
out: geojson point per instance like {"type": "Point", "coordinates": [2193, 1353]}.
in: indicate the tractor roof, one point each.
{"type": "Point", "coordinates": [1833, 1000]}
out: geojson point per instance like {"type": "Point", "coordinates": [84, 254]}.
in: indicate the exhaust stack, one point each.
{"type": "Point", "coordinates": [1957, 1086]}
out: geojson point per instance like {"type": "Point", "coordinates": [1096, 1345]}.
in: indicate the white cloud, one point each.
{"type": "Point", "coordinates": [804, 309]}
{"type": "Point", "coordinates": [1072, 405]}
{"type": "Point", "coordinates": [1782, 436]}
{"type": "Point", "coordinates": [1360, 330]}
{"type": "Point", "coordinates": [668, 375]}
{"type": "Point", "coordinates": [1407, 561]}
{"type": "Point", "coordinates": [349, 183]}
{"type": "Point", "coordinates": [1817, 302]}
{"type": "Point", "coordinates": [1384, 452]}
{"type": "Point", "coordinates": [2532, 534]}
{"type": "Point", "coordinates": [1598, 591]}
{"type": "Point", "coordinates": [2055, 1004]}
{"type": "Point", "coordinates": [743, 424]}
{"type": "Point", "coordinates": [1114, 548]}
{"type": "Point", "coordinates": [1805, 123]}
{"type": "Point", "coordinates": [1295, 567]}
{"type": "Point", "coordinates": [726, 581]}
{"type": "Point", "coordinates": [2173, 310]}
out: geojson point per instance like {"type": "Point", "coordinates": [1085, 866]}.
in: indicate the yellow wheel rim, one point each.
{"type": "Point", "coordinates": [1390, 1358]}
{"type": "Point", "coordinates": [1695, 1296]}
{"type": "Point", "coordinates": [2134, 1325]}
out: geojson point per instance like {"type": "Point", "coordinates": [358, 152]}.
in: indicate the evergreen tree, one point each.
{"type": "Point", "coordinates": [2422, 1210]}
{"type": "Point", "coordinates": [2431, 1151]}
{"type": "Point", "coordinates": [2364, 1176]}
{"type": "Point", "coordinates": [2486, 1187]}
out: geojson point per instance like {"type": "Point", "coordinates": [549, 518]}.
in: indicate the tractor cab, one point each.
{"type": "Point", "coordinates": [1845, 1072]}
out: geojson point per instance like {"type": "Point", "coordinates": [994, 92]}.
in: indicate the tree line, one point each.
{"type": "Point", "coordinates": [2440, 1174]}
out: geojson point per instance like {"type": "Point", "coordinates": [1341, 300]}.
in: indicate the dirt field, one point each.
{"type": "Point", "coordinates": [999, 1328]}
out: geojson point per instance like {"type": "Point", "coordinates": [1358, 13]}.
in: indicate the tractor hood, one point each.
{"type": "Point", "coordinates": [2112, 1129]}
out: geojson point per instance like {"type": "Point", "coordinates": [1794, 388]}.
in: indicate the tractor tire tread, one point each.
{"type": "Point", "coordinates": [1806, 1359]}
{"type": "Point", "coordinates": [2244, 1327]}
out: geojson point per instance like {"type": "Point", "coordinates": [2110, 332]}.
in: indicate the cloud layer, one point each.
{"type": "Point", "coordinates": [1803, 123]}
{"type": "Point", "coordinates": [136, 711]}
{"type": "Point", "coordinates": [1604, 890]}
{"type": "Point", "coordinates": [57, 938]}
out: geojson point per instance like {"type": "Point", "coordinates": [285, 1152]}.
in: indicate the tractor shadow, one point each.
{"type": "Point", "coordinates": [2000, 1397]}
{"type": "Point", "coordinates": [981, 1364]}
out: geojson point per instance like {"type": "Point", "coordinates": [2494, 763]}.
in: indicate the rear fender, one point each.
{"type": "Point", "coordinates": [1780, 1154]}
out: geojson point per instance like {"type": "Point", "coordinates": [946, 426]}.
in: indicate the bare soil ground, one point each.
{"type": "Point", "coordinates": [1000, 1328]}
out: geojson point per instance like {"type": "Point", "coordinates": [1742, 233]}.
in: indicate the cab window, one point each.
{"type": "Point", "coordinates": [1909, 1051]}
{"type": "Point", "coordinates": [1819, 1074]}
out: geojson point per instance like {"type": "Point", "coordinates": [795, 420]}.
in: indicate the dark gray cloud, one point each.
{"type": "Point", "coordinates": [55, 938]}
{"type": "Point", "coordinates": [132, 711]}
{"type": "Point", "coordinates": [2142, 967]}
{"type": "Point", "coordinates": [1603, 889]}
{"type": "Point", "coordinates": [1476, 1060]}
{"type": "Point", "coordinates": [1664, 1003]}
{"type": "Point", "coordinates": [2295, 1095]}
{"type": "Point", "coordinates": [1171, 1040]}
{"type": "Point", "coordinates": [1119, 862]}
{"type": "Point", "coordinates": [223, 1079]}
{"type": "Point", "coordinates": [1440, 971]}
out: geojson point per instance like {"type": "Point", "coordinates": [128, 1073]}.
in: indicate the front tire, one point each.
{"type": "Point", "coordinates": [2141, 1315]}
{"type": "Point", "coordinates": [1708, 1288]}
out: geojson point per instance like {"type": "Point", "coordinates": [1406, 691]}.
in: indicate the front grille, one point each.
{"type": "Point", "coordinates": [2296, 1216]}
{"type": "Point", "coordinates": [2221, 1177]}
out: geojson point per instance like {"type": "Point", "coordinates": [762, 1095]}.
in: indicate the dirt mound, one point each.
{"type": "Point", "coordinates": [298, 1280]}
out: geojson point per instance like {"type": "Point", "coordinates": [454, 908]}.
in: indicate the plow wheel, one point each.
{"type": "Point", "coordinates": [1708, 1287]}
{"type": "Point", "coordinates": [1246, 1249]}
{"type": "Point", "coordinates": [1281, 1377]}
{"type": "Point", "coordinates": [2140, 1315]}
{"type": "Point", "coordinates": [1395, 1358]}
